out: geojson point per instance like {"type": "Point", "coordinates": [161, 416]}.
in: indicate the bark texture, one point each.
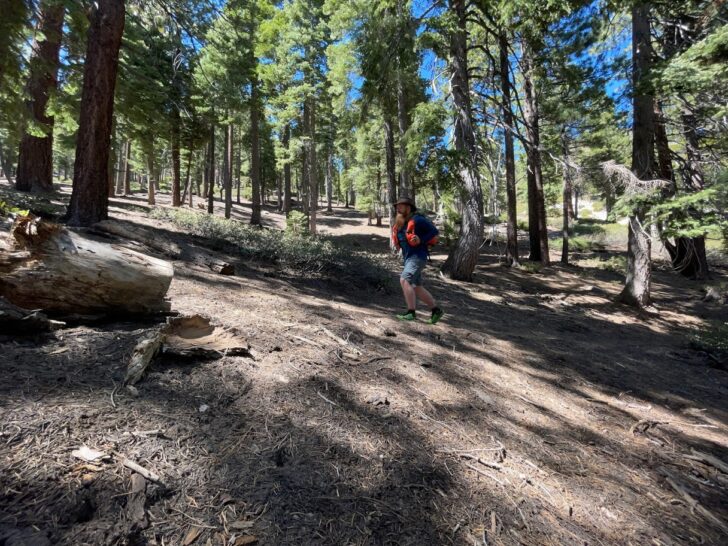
{"type": "Point", "coordinates": [35, 160]}
{"type": "Point", "coordinates": [537, 228]}
{"type": "Point", "coordinates": [255, 155]}
{"type": "Point", "coordinates": [461, 261]}
{"type": "Point", "coordinates": [45, 266]}
{"type": "Point", "coordinates": [510, 161]}
{"type": "Point", "coordinates": [90, 199]}
{"type": "Point", "coordinates": [636, 291]}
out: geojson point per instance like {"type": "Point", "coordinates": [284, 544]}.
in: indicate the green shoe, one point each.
{"type": "Point", "coordinates": [409, 315]}
{"type": "Point", "coordinates": [436, 315]}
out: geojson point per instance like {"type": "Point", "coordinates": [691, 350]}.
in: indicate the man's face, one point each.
{"type": "Point", "coordinates": [403, 209]}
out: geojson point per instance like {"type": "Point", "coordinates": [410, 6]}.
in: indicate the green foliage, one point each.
{"type": "Point", "coordinates": [7, 209]}
{"type": "Point", "coordinates": [712, 338]}
{"type": "Point", "coordinates": [530, 267]}
{"type": "Point", "coordinates": [576, 244]}
{"type": "Point", "coordinates": [13, 202]}
{"type": "Point", "coordinates": [298, 253]}
{"type": "Point", "coordinates": [615, 264]}
{"type": "Point", "coordinates": [297, 223]}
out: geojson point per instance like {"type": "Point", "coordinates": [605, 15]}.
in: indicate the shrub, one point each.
{"type": "Point", "coordinates": [576, 244]}
{"type": "Point", "coordinates": [296, 252]}
{"type": "Point", "coordinates": [713, 338]}
{"type": "Point", "coordinates": [296, 223]}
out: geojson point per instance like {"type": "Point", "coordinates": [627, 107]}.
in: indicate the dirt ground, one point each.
{"type": "Point", "coordinates": [537, 412]}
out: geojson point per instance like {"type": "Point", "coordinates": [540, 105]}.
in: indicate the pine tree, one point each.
{"type": "Point", "coordinates": [89, 199]}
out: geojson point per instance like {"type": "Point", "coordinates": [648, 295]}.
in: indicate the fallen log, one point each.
{"type": "Point", "coordinates": [46, 266]}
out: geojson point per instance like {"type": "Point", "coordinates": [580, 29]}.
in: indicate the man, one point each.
{"type": "Point", "coordinates": [414, 234]}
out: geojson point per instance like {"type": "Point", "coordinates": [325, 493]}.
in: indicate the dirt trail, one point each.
{"type": "Point", "coordinates": [536, 412]}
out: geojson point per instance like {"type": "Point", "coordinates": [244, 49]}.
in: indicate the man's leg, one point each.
{"type": "Point", "coordinates": [425, 296]}
{"type": "Point", "coordinates": [410, 297]}
{"type": "Point", "coordinates": [428, 300]}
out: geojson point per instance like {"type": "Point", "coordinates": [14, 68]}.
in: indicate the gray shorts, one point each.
{"type": "Point", "coordinates": [413, 268]}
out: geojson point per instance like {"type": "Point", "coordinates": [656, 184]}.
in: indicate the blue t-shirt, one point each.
{"type": "Point", "coordinates": [424, 229]}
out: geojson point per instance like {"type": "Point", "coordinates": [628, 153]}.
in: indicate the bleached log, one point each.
{"type": "Point", "coordinates": [46, 266]}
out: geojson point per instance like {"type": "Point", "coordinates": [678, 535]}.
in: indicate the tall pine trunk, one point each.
{"type": "Point", "coordinates": [35, 160]}
{"type": "Point", "coordinates": [255, 155]}
{"type": "Point", "coordinates": [118, 182]}
{"type": "Point", "coordinates": [5, 165]}
{"type": "Point", "coordinates": [89, 198]}
{"type": "Point", "coordinates": [463, 258]}
{"type": "Point", "coordinates": [227, 174]}
{"type": "Point", "coordinates": [510, 161]}
{"type": "Point", "coordinates": [537, 228]}
{"type": "Point", "coordinates": [176, 167]}
{"type": "Point", "coordinates": [211, 172]}
{"type": "Point", "coordinates": [312, 166]}
{"type": "Point", "coordinates": [405, 188]}
{"type": "Point", "coordinates": [566, 198]}
{"type": "Point", "coordinates": [329, 178]}
{"type": "Point", "coordinates": [391, 173]}
{"type": "Point", "coordinates": [687, 254]}
{"type": "Point", "coordinates": [287, 171]}
{"type": "Point", "coordinates": [188, 178]}
{"type": "Point", "coordinates": [636, 291]}
{"type": "Point", "coordinates": [127, 170]}
{"type": "Point", "coordinates": [150, 175]}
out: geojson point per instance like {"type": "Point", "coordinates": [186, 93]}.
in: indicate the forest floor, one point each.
{"type": "Point", "coordinates": [537, 412]}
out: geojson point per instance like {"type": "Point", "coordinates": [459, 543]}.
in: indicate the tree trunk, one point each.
{"type": "Point", "coordinates": [636, 291]}
{"type": "Point", "coordinates": [44, 266]}
{"type": "Point", "coordinates": [329, 179]}
{"type": "Point", "coordinates": [255, 209]}
{"type": "Point", "coordinates": [6, 166]}
{"type": "Point", "coordinates": [238, 160]}
{"type": "Point", "coordinates": [176, 174]}
{"type": "Point", "coordinates": [150, 176]}
{"type": "Point", "coordinates": [692, 147]}
{"type": "Point", "coordinates": [639, 265]}
{"type": "Point", "coordinates": [463, 258]}
{"type": "Point", "coordinates": [211, 173]}
{"type": "Point", "coordinates": [405, 188]}
{"type": "Point", "coordinates": [566, 198]}
{"type": "Point", "coordinates": [664, 161]}
{"type": "Point", "coordinates": [391, 173]}
{"type": "Point", "coordinates": [188, 179]}
{"type": "Point", "coordinates": [119, 182]}
{"type": "Point", "coordinates": [287, 171]}
{"type": "Point", "coordinates": [512, 226]}
{"type": "Point", "coordinates": [312, 167]}
{"type": "Point", "coordinates": [89, 198]}
{"type": "Point", "coordinates": [127, 170]}
{"type": "Point", "coordinates": [35, 160]}
{"type": "Point", "coordinates": [112, 159]}
{"type": "Point", "coordinates": [687, 254]}
{"type": "Point", "coordinates": [227, 178]}
{"type": "Point", "coordinates": [537, 228]}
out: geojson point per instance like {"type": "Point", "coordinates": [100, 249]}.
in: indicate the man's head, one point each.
{"type": "Point", "coordinates": [405, 206]}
